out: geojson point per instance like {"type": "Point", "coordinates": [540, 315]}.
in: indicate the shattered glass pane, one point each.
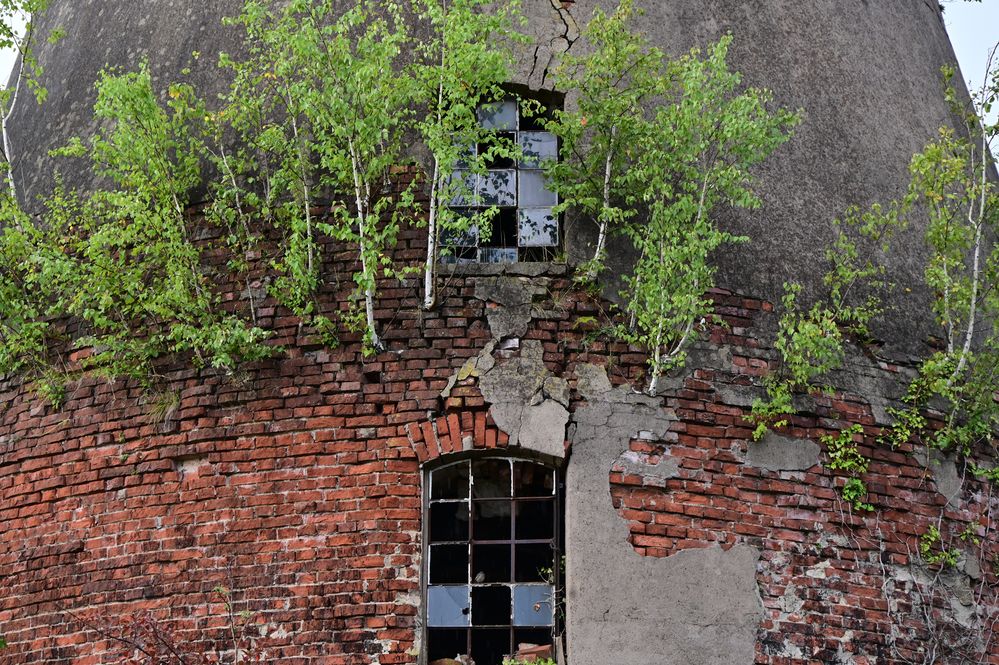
{"type": "Point", "coordinates": [463, 188]}
{"type": "Point", "coordinates": [499, 188]}
{"type": "Point", "coordinates": [451, 482]}
{"type": "Point", "coordinates": [501, 116]}
{"type": "Point", "coordinates": [491, 520]}
{"type": "Point", "coordinates": [533, 605]}
{"type": "Point", "coordinates": [536, 519]}
{"type": "Point", "coordinates": [457, 237]}
{"type": "Point", "coordinates": [490, 645]}
{"type": "Point", "coordinates": [534, 192]}
{"type": "Point", "coordinates": [491, 563]}
{"type": "Point", "coordinates": [491, 478]}
{"type": "Point", "coordinates": [448, 564]}
{"type": "Point", "coordinates": [533, 480]}
{"type": "Point", "coordinates": [491, 606]}
{"type": "Point", "coordinates": [466, 157]}
{"type": "Point", "coordinates": [449, 521]}
{"type": "Point", "coordinates": [533, 562]}
{"type": "Point", "coordinates": [537, 227]}
{"type": "Point", "coordinates": [537, 148]}
{"type": "Point", "coordinates": [448, 606]}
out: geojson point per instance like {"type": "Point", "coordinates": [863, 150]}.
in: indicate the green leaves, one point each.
{"type": "Point", "coordinates": [120, 261]}
{"type": "Point", "coordinates": [460, 67]}
{"type": "Point", "coordinates": [321, 105]}
{"type": "Point", "coordinates": [652, 149]}
{"type": "Point", "coordinates": [951, 404]}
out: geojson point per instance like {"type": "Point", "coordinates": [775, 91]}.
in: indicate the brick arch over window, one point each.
{"type": "Point", "coordinates": [453, 433]}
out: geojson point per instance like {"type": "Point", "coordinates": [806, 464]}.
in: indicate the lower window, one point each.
{"type": "Point", "coordinates": [492, 559]}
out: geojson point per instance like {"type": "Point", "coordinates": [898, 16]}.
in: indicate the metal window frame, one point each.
{"type": "Point", "coordinates": [557, 543]}
{"type": "Point", "coordinates": [551, 251]}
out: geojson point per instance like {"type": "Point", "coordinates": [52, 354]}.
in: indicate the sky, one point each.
{"type": "Point", "coordinates": [973, 28]}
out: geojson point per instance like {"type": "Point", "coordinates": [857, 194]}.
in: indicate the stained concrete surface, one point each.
{"type": "Point", "coordinates": [780, 453]}
{"type": "Point", "coordinates": [697, 607]}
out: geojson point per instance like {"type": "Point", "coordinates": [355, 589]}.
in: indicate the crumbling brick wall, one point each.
{"type": "Point", "coordinates": [296, 485]}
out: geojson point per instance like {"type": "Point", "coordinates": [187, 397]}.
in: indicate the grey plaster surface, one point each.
{"type": "Point", "coordinates": [780, 453]}
{"type": "Point", "coordinates": [698, 607]}
{"type": "Point", "coordinates": [527, 401]}
{"type": "Point", "coordinates": [865, 73]}
{"type": "Point", "coordinates": [945, 474]}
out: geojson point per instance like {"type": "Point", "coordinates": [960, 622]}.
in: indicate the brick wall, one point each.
{"type": "Point", "coordinates": [296, 485]}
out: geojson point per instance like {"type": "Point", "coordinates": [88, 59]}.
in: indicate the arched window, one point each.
{"type": "Point", "coordinates": [492, 560]}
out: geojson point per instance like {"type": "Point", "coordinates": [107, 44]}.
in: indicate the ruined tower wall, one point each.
{"type": "Point", "coordinates": [297, 484]}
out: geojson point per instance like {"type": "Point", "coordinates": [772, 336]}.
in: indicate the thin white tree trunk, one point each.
{"type": "Point", "coordinates": [362, 220]}
{"type": "Point", "coordinates": [8, 149]}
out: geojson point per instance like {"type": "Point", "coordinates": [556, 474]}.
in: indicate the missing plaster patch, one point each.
{"type": "Point", "coordinates": [188, 466]}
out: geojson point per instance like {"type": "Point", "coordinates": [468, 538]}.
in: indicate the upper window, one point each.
{"type": "Point", "coordinates": [491, 553]}
{"type": "Point", "coordinates": [525, 227]}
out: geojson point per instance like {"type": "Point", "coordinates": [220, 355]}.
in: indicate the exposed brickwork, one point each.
{"type": "Point", "coordinates": [835, 583]}
{"type": "Point", "coordinates": [296, 483]}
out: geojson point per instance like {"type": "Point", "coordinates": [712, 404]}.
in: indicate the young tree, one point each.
{"type": "Point", "coordinates": [462, 66]}
{"type": "Point", "coordinates": [603, 136]}
{"type": "Point", "coordinates": [346, 96]}
{"type": "Point", "coordinates": [653, 148]}
{"type": "Point", "coordinates": [120, 260]}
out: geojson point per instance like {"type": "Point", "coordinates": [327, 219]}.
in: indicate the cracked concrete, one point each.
{"type": "Point", "coordinates": [512, 303]}
{"type": "Point", "coordinates": [528, 402]}
{"type": "Point", "coordinates": [698, 607]}
{"type": "Point", "coordinates": [550, 44]}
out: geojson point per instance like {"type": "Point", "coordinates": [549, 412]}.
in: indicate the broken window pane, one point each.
{"type": "Point", "coordinates": [537, 148]}
{"type": "Point", "coordinates": [536, 520]}
{"type": "Point", "coordinates": [448, 606]}
{"type": "Point", "coordinates": [490, 645]}
{"type": "Point", "coordinates": [448, 564]}
{"type": "Point", "coordinates": [449, 521]}
{"type": "Point", "coordinates": [491, 563]}
{"type": "Point", "coordinates": [497, 255]}
{"type": "Point", "coordinates": [514, 151]}
{"type": "Point", "coordinates": [466, 156]}
{"type": "Point", "coordinates": [533, 479]}
{"type": "Point", "coordinates": [538, 227]}
{"type": "Point", "coordinates": [533, 562]}
{"type": "Point", "coordinates": [492, 589]}
{"type": "Point", "coordinates": [498, 188]}
{"type": "Point", "coordinates": [446, 643]}
{"type": "Point", "coordinates": [499, 116]}
{"type": "Point", "coordinates": [491, 606]}
{"type": "Point", "coordinates": [451, 482]}
{"type": "Point", "coordinates": [463, 185]}
{"type": "Point", "coordinates": [534, 192]}
{"type": "Point", "coordinates": [491, 520]}
{"type": "Point", "coordinates": [498, 151]}
{"type": "Point", "coordinates": [491, 478]}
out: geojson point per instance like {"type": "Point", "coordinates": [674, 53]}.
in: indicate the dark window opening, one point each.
{"type": "Point", "coordinates": [524, 226]}
{"type": "Point", "coordinates": [492, 559]}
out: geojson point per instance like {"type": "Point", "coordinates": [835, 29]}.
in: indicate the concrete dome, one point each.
{"type": "Point", "coordinates": [867, 75]}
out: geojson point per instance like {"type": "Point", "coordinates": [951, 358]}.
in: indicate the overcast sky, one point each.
{"type": "Point", "coordinates": [973, 28]}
